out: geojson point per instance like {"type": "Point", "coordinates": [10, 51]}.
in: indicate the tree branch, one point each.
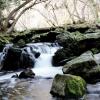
{"type": "Point", "coordinates": [15, 11]}
{"type": "Point", "coordinates": [23, 11]}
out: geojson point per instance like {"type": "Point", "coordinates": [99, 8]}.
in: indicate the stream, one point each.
{"type": "Point", "coordinates": [39, 87]}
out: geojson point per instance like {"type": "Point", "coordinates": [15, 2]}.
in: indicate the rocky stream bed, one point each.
{"type": "Point", "coordinates": [51, 64]}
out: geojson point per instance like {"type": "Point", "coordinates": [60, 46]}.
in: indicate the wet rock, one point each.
{"type": "Point", "coordinates": [21, 43]}
{"type": "Point", "coordinates": [77, 42]}
{"type": "Point", "coordinates": [68, 39]}
{"type": "Point", "coordinates": [68, 86]}
{"type": "Point", "coordinates": [71, 47]}
{"type": "Point", "coordinates": [36, 54]}
{"type": "Point", "coordinates": [26, 60]}
{"type": "Point", "coordinates": [15, 76]}
{"type": "Point", "coordinates": [27, 73]}
{"type": "Point", "coordinates": [12, 59]}
{"type": "Point", "coordinates": [80, 65]}
{"type": "Point", "coordinates": [15, 59]}
{"type": "Point", "coordinates": [93, 75]}
{"type": "Point", "coordinates": [62, 56]}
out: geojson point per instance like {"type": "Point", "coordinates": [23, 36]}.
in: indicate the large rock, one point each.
{"type": "Point", "coordinates": [68, 86]}
{"type": "Point", "coordinates": [62, 56]}
{"type": "Point", "coordinates": [80, 65]}
{"type": "Point", "coordinates": [84, 41]}
{"type": "Point", "coordinates": [69, 50]}
{"type": "Point", "coordinates": [26, 60]}
{"type": "Point", "coordinates": [12, 59]}
{"type": "Point", "coordinates": [68, 39]}
{"type": "Point", "coordinates": [27, 73]}
{"type": "Point", "coordinates": [15, 59]}
{"type": "Point", "coordinates": [75, 44]}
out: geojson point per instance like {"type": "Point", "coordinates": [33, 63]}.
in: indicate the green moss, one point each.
{"type": "Point", "coordinates": [20, 43]}
{"type": "Point", "coordinates": [75, 86]}
{"type": "Point", "coordinates": [69, 86]}
{"type": "Point", "coordinates": [95, 50]}
{"type": "Point", "coordinates": [77, 36]}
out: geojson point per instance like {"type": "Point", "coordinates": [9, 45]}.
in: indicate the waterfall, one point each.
{"type": "Point", "coordinates": [43, 64]}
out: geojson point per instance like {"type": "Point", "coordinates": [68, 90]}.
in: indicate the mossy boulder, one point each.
{"type": "Point", "coordinates": [78, 41]}
{"type": "Point", "coordinates": [80, 65]}
{"type": "Point", "coordinates": [69, 50]}
{"type": "Point", "coordinates": [68, 86]}
{"type": "Point", "coordinates": [69, 39]}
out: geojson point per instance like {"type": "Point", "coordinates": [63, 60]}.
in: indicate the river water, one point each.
{"type": "Point", "coordinates": [39, 87]}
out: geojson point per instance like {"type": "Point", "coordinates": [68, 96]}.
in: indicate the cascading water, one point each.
{"type": "Point", "coordinates": [31, 89]}
{"type": "Point", "coordinates": [43, 64]}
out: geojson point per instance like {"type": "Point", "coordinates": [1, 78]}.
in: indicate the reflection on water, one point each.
{"type": "Point", "coordinates": [36, 89]}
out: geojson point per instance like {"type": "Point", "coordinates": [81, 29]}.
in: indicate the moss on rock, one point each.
{"type": "Point", "coordinates": [4, 39]}
{"type": "Point", "coordinates": [68, 86]}
{"type": "Point", "coordinates": [75, 86]}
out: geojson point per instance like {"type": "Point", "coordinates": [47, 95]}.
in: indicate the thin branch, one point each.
{"type": "Point", "coordinates": [47, 20]}
{"type": "Point", "coordinates": [15, 11]}
{"type": "Point", "coordinates": [66, 6]}
{"type": "Point", "coordinates": [23, 11]}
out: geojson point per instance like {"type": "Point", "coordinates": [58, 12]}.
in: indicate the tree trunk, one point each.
{"type": "Point", "coordinates": [14, 12]}
{"type": "Point", "coordinates": [25, 9]}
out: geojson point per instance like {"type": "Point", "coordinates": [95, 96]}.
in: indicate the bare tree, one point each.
{"type": "Point", "coordinates": [25, 5]}
{"type": "Point", "coordinates": [16, 13]}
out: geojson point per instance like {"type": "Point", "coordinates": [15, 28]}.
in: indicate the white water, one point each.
{"type": "Point", "coordinates": [43, 66]}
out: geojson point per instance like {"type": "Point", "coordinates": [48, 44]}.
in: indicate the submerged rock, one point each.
{"type": "Point", "coordinates": [68, 86]}
{"type": "Point", "coordinates": [27, 73]}
{"type": "Point", "coordinates": [80, 65]}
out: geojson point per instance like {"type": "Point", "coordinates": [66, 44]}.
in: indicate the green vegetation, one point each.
{"type": "Point", "coordinates": [75, 86]}
{"type": "Point", "coordinates": [69, 86]}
